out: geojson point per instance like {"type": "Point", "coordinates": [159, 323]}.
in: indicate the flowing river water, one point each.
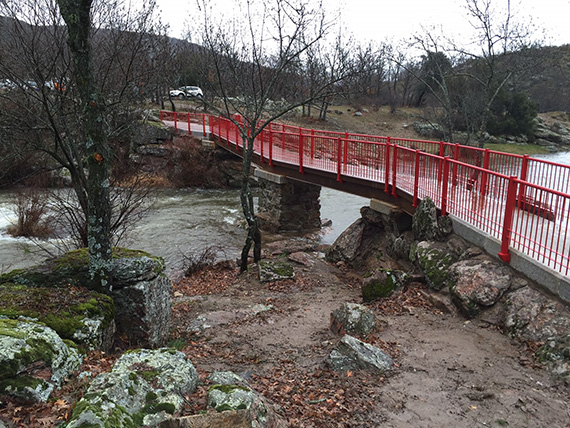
{"type": "Point", "coordinates": [182, 223]}
{"type": "Point", "coordinates": [185, 222]}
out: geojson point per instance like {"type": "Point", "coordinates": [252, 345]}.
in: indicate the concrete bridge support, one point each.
{"type": "Point", "coordinates": [287, 205]}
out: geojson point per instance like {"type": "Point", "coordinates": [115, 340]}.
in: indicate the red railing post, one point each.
{"type": "Point", "coordinates": [161, 115]}
{"type": "Point", "coordinates": [387, 166]}
{"type": "Point", "coordinates": [312, 144]}
{"type": "Point", "coordinates": [484, 175]}
{"type": "Point", "coordinates": [270, 146]}
{"type": "Point", "coordinates": [394, 168]}
{"type": "Point", "coordinates": [416, 179]}
{"type": "Point", "coordinates": [523, 177]}
{"type": "Point", "coordinates": [505, 255]}
{"type": "Point", "coordinates": [204, 124]}
{"type": "Point", "coordinates": [444, 185]}
{"type": "Point", "coordinates": [440, 162]}
{"type": "Point", "coordinates": [339, 161]}
{"type": "Point", "coordinates": [300, 152]}
{"type": "Point", "coordinates": [175, 121]}
{"type": "Point", "coordinates": [345, 155]}
{"type": "Point", "coordinates": [189, 127]}
{"type": "Point", "coordinates": [455, 157]}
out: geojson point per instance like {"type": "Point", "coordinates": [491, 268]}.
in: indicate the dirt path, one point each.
{"type": "Point", "coordinates": [449, 372]}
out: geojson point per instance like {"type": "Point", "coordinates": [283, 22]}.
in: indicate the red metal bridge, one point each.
{"type": "Point", "coordinates": [521, 201]}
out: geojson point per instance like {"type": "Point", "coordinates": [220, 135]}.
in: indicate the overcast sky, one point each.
{"type": "Point", "coordinates": [382, 20]}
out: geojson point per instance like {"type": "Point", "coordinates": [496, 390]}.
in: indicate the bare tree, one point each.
{"type": "Point", "coordinates": [501, 44]}
{"type": "Point", "coordinates": [79, 67]}
{"type": "Point", "coordinates": [253, 66]}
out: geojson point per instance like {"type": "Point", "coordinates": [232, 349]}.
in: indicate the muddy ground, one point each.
{"type": "Point", "coordinates": [449, 371]}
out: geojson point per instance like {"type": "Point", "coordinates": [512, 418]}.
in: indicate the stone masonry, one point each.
{"type": "Point", "coordinates": [287, 205]}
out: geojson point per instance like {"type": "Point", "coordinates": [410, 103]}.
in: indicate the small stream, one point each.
{"type": "Point", "coordinates": [181, 223]}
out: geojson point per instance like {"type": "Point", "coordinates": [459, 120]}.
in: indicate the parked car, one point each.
{"type": "Point", "coordinates": [187, 92]}
{"type": "Point", "coordinates": [7, 84]}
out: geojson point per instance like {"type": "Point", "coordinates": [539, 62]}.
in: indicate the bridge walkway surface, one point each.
{"type": "Point", "coordinates": [514, 206]}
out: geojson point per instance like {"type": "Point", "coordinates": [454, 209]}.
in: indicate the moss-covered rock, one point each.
{"type": "Point", "coordinates": [382, 283]}
{"type": "Point", "coordinates": [425, 224]}
{"type": "Point", "coordinates": [138, 287]}
{"type": "Point", "coordinates": [144, 388]}
{"type": "Point", "coordinates": [33, 359]}
{"type": "Point", "coordinates": [275, 270]}
{"type": "Point", "coordinates": [233, 394]}
{"type": "Point", "coordinates": [75, 313]}
{"type": "Point", "coordinates": [434, 260]}
{"type": "Point", "coordinates": [71, 269]}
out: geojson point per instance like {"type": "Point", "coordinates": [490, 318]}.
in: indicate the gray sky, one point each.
{"type": "Point", "coordinates": [381, 20]}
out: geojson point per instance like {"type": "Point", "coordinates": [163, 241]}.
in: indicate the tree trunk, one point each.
{"type": "Point", "coordinates": [95, 147]}
{"type": "Point", "coordinates": [246, 198]}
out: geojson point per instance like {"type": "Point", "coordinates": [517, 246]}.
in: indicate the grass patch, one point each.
{"type": "Point", "coordinates": [518, 149]}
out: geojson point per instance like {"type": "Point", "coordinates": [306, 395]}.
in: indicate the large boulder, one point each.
{"type": "Point", "coordinates": [142, 300]}
{"type": "Point", "coordinates": [426, 225]}
{"type": "Point", "coordinates": [144, 388]}
{"type": "Point", "coordinates": [362, 240]}
{"type": "Point", "coordinates": [434, 260]}
{"type": "Point", "coordinates": [353, 319]}
{"type": "Point", "coordinates": [34, 360]}
{"type": "Point", "coordinates": [532, 316]}
{"type": "Point", "coordinates": [478, 283]}
{"type": "Point", "coordinates": [138, 286]}
{"type": "Point", "coordinates": [75, 313]}
{"type": "Point", "coordinates": [353, 354]}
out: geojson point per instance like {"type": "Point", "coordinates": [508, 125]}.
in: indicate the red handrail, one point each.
{"type": "Point", "coordinates": [521, 201]}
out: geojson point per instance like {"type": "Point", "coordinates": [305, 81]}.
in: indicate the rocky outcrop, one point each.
{"type": "Point", "coordinates": [360, 241]}
{"type": "Point", "coordinates": [144, 388]}
{"type": "Point", "coordinates": [353, 319]}
{"type": "Point", "coordinates": [478, 283]}
{"type": "Point", "coordinates": [34, 360]}
{"type": "Point", "coordinates": [532, 316]}
{"type": "Point", "coordinates": [434, 260]}
{"type": "Point", "coordinates": [426, 225]}
{"type": "Point", "coordinates": [139, 288]}
{"type": "Point", "coordinates": [353, 354]}
{"type": "Point", "coordinates": [81, 315]}
{"type": "Point", "coordinates": [555, 134]}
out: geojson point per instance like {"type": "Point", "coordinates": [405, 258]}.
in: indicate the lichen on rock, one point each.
{"type": "Point", "coordinates": [143, 388]}
{"type": "Point", "coordinates": [353, 354]}
{"type": "Point", "coordinates": [353, 319]}
{"type": "Point", "coordinates": [33, 359]}
{"type": "Point", "coordinates": [75, 313]}
{"type": "Point", "coordinates": [275, 270]}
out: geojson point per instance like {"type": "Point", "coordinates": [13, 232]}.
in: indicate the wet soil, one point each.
{"type": "Point", "coordinates": [448, 372]}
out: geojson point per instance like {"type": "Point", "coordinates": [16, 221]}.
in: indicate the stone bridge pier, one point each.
{"type": "Point", "coordinates": [287, 205]}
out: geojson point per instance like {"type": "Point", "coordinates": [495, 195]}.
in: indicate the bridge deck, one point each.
{"type": "Point", "coordinates": [520, 201]}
